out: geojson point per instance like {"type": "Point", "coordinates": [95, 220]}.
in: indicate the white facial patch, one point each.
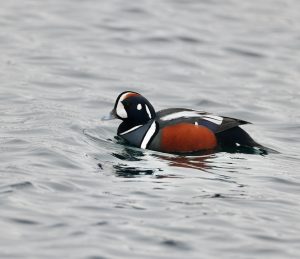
{"type": "Point", "coordinates": [120, 110]}
{"type": "Point", "coordinates": [139, 107]}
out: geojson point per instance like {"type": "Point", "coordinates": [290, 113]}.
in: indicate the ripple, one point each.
{"type": "Point", "coordinates": [70, 187]}
{"type": "Point", "coordinates": [16, 186]}
{"type": "Point", "coordinates": [245, 53]}
{"type": "Point", "coordinates": [175, 244]}
{"type": "Point", "coordinates": [24, 221]}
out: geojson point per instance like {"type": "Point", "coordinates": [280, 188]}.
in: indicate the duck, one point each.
{"type": "Point", "coordinates": [176, 130]}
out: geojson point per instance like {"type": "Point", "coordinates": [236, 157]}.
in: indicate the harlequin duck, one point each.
{"type": "Point", "coordinates": [175, 130]}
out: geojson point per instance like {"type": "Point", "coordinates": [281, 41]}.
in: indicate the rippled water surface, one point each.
{"type": "Point", "coordinates": [69, 190]}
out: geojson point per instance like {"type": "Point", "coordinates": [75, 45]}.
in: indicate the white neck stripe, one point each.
{"type": "Point", "coordinates": [132, 129]}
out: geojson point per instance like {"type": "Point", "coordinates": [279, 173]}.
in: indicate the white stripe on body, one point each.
{"type": "Point", "coordinates": [177, 115]}
{"type": "Point", "coordinates": [214, 119]}
{"type": "Point", "coordinates": [148, 135]}
{"type": "Point", "coordinates": [193, 114]}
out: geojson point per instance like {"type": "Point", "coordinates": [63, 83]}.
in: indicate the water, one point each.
{"type": "Point", "coordinates": [68, 190]}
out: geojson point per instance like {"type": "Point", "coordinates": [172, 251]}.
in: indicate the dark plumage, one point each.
{"type": "Point", "coordinates": [176, 130]}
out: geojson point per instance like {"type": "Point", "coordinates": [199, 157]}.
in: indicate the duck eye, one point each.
{"type": "Point", "coordinates": [126, 103]}
{"type": "Point", "coordinates": [139, 107]}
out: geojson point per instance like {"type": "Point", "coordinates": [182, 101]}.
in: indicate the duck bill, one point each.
{"type": "Point", "coordinates": [111, 116]}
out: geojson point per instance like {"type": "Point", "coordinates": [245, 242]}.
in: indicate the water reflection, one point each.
{"type": "Point", "coordinates": [127, 170]}
{"type": "Point", "coordinates": [248, 150]}
{"type": "Point", "coordinates": [123, 170]}
{"type": "Point", "coordinates": [137, 162]}
{"type": "Point", "coordinates": [200, 161]}
{"type": "Point", "coordinates": [128, 155]}
{"type": "Point", "coordinates": [195, 162]}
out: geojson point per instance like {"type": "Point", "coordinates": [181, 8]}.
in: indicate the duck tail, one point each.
{"type": "Point", "coordinates": [237, 138]}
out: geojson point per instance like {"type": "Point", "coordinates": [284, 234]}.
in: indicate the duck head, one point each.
{"type": "Point", "coordinates": [133, 109]}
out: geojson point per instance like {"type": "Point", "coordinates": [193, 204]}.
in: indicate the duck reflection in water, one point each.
{"type": "Point", "coordinates": [196, 162]}
{"type": "Point", "coordinates": [202, 160]}
{"type": "Point", "coordinates": [129, 155]}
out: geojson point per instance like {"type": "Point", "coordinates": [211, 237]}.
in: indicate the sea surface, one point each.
{"type": "Point", "coordinates": [68, 189]}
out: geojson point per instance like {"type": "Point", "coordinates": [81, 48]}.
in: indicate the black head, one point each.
{"type": "Point", "coordinates": [133, 108]}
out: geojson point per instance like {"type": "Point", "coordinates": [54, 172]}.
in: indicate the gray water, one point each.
{"type": "Point", "coordinates": [69, 190]}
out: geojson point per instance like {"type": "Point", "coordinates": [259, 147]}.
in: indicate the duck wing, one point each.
{"type": "Point", "coordinates": [215, 123]}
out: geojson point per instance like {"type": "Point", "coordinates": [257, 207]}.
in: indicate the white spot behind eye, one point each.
{"type": "Point", "coordinates": [196, 123]}
{"type": "Point", "coordinates": [139, 106]}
